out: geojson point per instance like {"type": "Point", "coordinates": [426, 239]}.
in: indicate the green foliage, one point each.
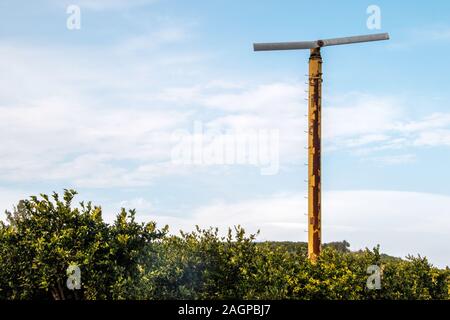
{"type": "Point", "coordinates": [195, 265]}
{"type": "Point", "coordinates": [201, 265]}
{"type": "Point", "coordinates": [130, 260]}
{"type": "Point", "coordinates": [42, 237]}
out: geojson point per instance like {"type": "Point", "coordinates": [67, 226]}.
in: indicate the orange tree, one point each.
{"type": "Point", "coordinates": [203, 265]}
{"type": "Point", "coordinates": [43, 237]}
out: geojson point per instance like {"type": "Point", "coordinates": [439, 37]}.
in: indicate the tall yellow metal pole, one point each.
{"type": "Point", "coordinates": [315, 105]}
{"type": "Point", "coordinates": [314, 147]}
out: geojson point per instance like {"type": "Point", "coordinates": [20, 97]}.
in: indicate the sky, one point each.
{"type": "Point", "coordinates": [132, 108]}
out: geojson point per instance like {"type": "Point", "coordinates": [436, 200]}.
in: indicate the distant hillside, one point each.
{"type": "Point", "coordinates": [341, 246]}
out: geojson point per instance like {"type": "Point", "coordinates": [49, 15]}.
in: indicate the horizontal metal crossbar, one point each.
{"type": "Point", "coordinates": [319, 43]}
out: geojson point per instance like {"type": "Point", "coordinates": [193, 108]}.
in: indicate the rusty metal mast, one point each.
{"type": "Point", "coordinates": [314, 125]}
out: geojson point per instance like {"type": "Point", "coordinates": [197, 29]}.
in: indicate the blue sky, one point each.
{"type": "Point", "coordinates": [96, 109]}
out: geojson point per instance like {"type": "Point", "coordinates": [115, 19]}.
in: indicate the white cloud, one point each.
{"type": "Point", "coordinates": [364, 139]}
{"type": "Point", "coordinates": [63, 141]}
{"type": "Point", "coordinates": [439, 137]}
{"type": "Point", "coordinates": [433, 130]}
{"type": "Point", "coordinates": [8, 199]}
{"type": "Point", "coordinates": [103, 117]}
{"type": "Point", "coordinates": [153, 40]}
{"type": "Point", "coordinates": [74, 115]}
{"type": "Point", "coordinates": [358, 123]}
{"type": "Point", "coordinates": [359, 114]}
{"type": "Point", "coordinates": [375, 124]}
{"type": "Point", "coordinates": [243, 107]}
{"type": "Point", "coordinates": [140, 204]}
{"type": "Point", "coordinates": [433, 121]}
{"type": "Point", "coordinates": [269, 98]}
{"type": "Point", "coordinates": [433, 34]}
{"type": "Point", "coordinates": [393, 159]}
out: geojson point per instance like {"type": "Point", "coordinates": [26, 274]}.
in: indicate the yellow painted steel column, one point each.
{"type": "Point", "coordinates": [314, 154]}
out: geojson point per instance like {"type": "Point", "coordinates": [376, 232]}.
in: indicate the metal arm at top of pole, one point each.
{"type": "Point", "coordinates": [301, 45]}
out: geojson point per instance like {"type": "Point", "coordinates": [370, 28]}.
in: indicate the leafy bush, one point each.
{"type": "Point", "coordinates": [129, 260]}
{"type": "Point", "coordinates": [42, 238]}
